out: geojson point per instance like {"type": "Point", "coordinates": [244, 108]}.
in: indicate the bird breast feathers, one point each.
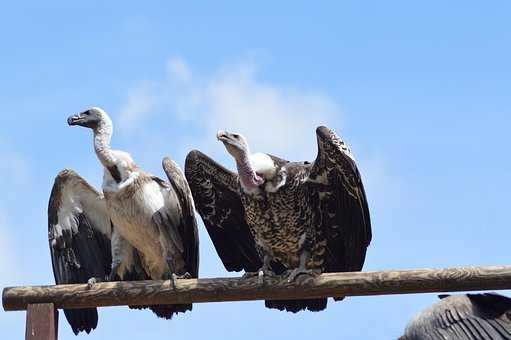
{"type": "Point", "coordinates": [135, 209]}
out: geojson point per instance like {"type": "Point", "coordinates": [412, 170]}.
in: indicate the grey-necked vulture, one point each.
{"type": "Point", "coordinates": [279, 217]}
{"type": "Point", "coordinates": [139, 227]}
{"type": "Point", "coordinates": [463, 317]}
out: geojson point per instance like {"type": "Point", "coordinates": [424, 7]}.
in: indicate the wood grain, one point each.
{"type": "Point", "coordinates": [274, 288]}
{"type": "Point", "coordinates": [42, 322]}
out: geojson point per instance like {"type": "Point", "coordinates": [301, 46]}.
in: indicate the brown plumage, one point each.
{"type": "Point", "coordinates": [301, 218]}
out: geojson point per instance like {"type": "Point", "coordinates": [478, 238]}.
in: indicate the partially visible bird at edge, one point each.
{"type": "Point", "coordinates": [485, 316]}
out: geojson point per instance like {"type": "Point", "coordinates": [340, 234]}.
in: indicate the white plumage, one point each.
{"type": "Point", "coordinates": [141, 227]}
{"type": "Point", "coordinates": [263, 165]}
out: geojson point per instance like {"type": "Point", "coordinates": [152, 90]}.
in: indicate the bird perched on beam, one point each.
{"type": "Point", "coordinates": [140, 227]}
{"type": "Point", "coordinates": [463, 317]}
{"type": "Point", "coordinates": [279, 217]}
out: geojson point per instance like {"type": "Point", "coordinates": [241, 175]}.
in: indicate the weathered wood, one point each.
{"type": "Point", "coordinates": [42, 322]}
{"type": "Point", "coordinates": [239, 289]}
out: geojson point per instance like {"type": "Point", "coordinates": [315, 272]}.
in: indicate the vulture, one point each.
{"type": "Point", "coordinates": [139, 227]}
{"type": "Point", "coordinates": [463, 317]}
{"type": "Point", "coordinates": [276, 217]}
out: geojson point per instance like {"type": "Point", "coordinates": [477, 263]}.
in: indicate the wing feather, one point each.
{"type": "Point", "coordinates": [79, 232]}
{"type": "Point", "coordinates": [216, 193]}
{"type": "Point", "coordinates": [336, 183]}
{"type": "Point", "coordinates": [187, 229]}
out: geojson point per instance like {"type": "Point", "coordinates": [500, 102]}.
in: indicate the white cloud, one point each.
{"type": "Point", "coordinates": [384, 188]}
{"type": "Point", "coordinates": [275, 118]}
{"type": "Point", "coordinates": [139, 104]}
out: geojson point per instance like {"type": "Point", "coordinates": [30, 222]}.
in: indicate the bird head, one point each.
{"type": "Point", "coordinates": [235, 144]}
{"type": "Point", "coordinates": [91, 118]}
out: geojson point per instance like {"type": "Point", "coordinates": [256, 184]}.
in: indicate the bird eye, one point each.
{"type": "Point", "coordinates": [236, 135]}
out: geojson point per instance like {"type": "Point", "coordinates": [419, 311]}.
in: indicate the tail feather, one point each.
{"type": "Point", "coordinates": [166, 311]}
{"type": "Point", "coordinates": [294, 306]}
{"type": "Point", "coordinates": [82, 320]}
{"type": "Point", "coordinates": [162, 311]}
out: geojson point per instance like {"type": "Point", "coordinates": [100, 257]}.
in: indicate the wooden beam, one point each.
{"type": "Point", "coordinates": [42, 322]}
{"type": "Point", "coordinates": [239, 289]}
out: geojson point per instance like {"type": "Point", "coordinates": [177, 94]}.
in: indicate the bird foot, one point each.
{"type": "Point", "coordinates": [261, 273]}
{"type": "Point", "coordinates": [92, 281]}
{"type": "Point", "coordinates": [249, 275]}
{"type": "Point", "coordinates": [113, 272]}
{"type": "Point", "coordinates": [293, 274]}
{"type": "Point", "coordinates": [174, 277]}
{"type": "Point", "coordinates": [185, 276]}
{"type": "Point", "coordinates": [112, 276]}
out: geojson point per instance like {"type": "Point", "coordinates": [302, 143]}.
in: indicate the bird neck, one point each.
{"type": "Point", "coordinates": [248, 177]}
{"type": "Point", "coordinates": [102, 137]}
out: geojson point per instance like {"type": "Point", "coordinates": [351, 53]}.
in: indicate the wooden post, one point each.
{"type": "Point", "coordinates": [42, 322]}
{"type": "Point", "coordinates": [271, 288]}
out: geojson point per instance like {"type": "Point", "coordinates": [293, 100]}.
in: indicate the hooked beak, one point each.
{"type": "Point", "coordinates": [227, 138]}
{"type": "Point", "coordinates": [231, 141]}
{"type": "Point", "coordinates": [77, 119]}
{"type": "Point", "coordinates": [222, 135]}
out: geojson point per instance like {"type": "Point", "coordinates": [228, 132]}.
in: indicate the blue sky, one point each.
{"type": "Point", "coordinates": [420, 91]}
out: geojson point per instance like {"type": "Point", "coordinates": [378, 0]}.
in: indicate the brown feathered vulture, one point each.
{"type": "Point", "coordinates": [273, 216]}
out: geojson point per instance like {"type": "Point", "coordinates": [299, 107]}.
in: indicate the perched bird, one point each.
{"type": "Point", "coordinates": [140, 226]}
{"type": "Point", "coordinates": [279, 217]}
{"type": "Point", "coordinates": [463, 317]}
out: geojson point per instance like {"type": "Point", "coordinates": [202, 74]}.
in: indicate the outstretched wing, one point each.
{"type": "Point", "coordinates": [79, 232]}
{"type": "Point", "coordinates": [216, 193]}
{"type": "Point", "coordinates": [335, 182]}
{"type": "Point", "coordinates": [471, 317]}
{"type": "Point", "coordinates": [187, 228]}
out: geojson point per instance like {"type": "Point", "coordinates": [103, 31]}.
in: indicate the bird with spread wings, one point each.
{"type": "Point", "coordinates": [273, 216]}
